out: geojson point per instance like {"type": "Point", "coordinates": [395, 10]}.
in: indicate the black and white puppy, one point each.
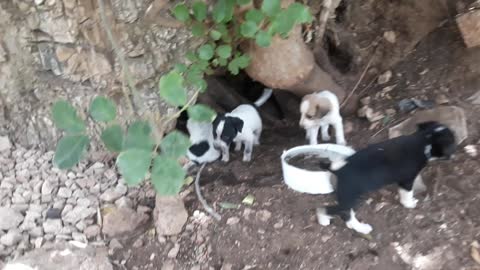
{"type": "Point", "coordinates": [243, 125]}
{"type": "Point", "coordinates": [201, 137]}
{"type": "Point", "coordinates": [395, 161]}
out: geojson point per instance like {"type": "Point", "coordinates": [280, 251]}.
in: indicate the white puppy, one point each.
{"type": "Point", "coordinates": [201, 137]}
{"type": "Point", "coordinates": [320, 110]}
{"type": "Point", "coordinates": [243, 126]}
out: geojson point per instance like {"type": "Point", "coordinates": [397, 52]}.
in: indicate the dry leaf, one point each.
{"type": "Point", "coordinates": [474, 252]}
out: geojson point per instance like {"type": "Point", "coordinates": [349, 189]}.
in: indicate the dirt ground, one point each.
{"type": "Point", "coordinates": [280, 231]}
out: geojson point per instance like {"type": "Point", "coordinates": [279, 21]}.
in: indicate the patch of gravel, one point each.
{"type": "Point", "coordinates": [41, 204]}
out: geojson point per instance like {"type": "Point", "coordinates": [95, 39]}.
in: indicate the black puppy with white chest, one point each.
{"type": "Point", "coordinates": [395, 161]}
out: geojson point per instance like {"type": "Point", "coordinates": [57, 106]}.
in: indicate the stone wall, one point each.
{"type": "Point", "coordinates": [51, 49]}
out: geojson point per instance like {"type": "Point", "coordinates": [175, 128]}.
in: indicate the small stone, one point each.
{"type": "Point", "coordinates": [52, 226]}
{"type": "Point", "coordinates": [115, 244]}
{"type": "Point", "coordinates": [36, 232]}
{"type": "Point", "coordinates": [112, 194]}
{"type": "Point", "coordinates": [390, 112]}
{"type": "Point", "coordinates": [9, 218]}
{"type": "Point", "coordinates": [78, 213]}
{"type": "Point", "coordinates": [364, 112]}
{"type": "Point", "coordinates": [385, 77]}
{"type": "Point", "coordinates": [390, 36]}
{"type": "Point", "coordinates": [138, 243]}
{"type": "Point", "coordinates": [278, 225]}
{"type": "Point", "coordinates": [4, 143]}
{"type": "Point", "coordinates": [80, 237]}
{"type": "Point", "coordinates": [64, 192]}
{"type": "Point", "coordinates": [92, 231]}
{"type": "Point", "coordinates": [170, 215]}
{"type": "Point", "coordinates": [365, 101]}
{"type": "Point", "coordinates": [233, 221]}
{"type": "Point", "coordinates": [119, 221]}
{"type": "Point", "coordinates": [442, 99]}
{"type": "Point", "coordinates": [11, 238]}
{"type": "Point", "coordinates": [124, 202]}
{"type": "Point", "coordinates": [264, 215]}
{"type": "Point", "coordinates": [53, 213]}
{"type": "Point", "coordinates": [38, 242]}
{"type": "Point", "coordinates": [47, 188]}
{"type": "Point", "coordinates": [475, 98]}
{"type": "Point", "coordinates": [227, 266]}
{"type": "Point", "coordinates": [471, 150]}
{"type": "Point", "coordinates": [172, 254]}
{"type": "Point", "coordinates": [469, 24]}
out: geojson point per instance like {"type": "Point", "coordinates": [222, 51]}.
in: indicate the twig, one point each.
{"type": "Point", "coordinates": [323, 19]}
{"type": "Point", "coordinates": [200, 197]}
{"type": "Point", "coordinates": [359, 79]}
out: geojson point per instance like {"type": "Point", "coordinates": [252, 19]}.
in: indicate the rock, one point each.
{"type": "Point", "coordinates": [64, 192]}
{"type": "Point", "coordinates": [53, 213]}
{"type": "Point", "coordinates": [475, 98]}
{"type": "Point", "coordinates": [63, 256]}
{"type": "Point", "coordinates": [451, 116]}
{"type": "Point", "coordinates": [172, 254]}
{"type": "Point", "coordinates": [442, 99]}
{"type": "Point", "coordinates": [47, 188]}
{"type": "Point", "coordinates": [278, 225]}
{"type": "Point", "coordinates": [4, 143]}
{"type": "Point", "coordinates": [365, 101]}
{"type": "Point", "coordinates": [410, 104]}
{"type": "Point", "coordinates": [9, 218]}
{"type": "Point", "coordinates": [390, 36]}
{"type": "Point", "coordinates": [115, 244]}
{"type": "Point", "coordinates": [233, 221]}
{"type": "Point", "coordinates": [469, 24]}
{"type": "Point", "coordinates": [52, 226]}
{"type": "Point", "coordinates": [385, 77]}
{"type": "Point", "coordinates": [3, 54]}
{"type": "Point", "coordinates": [264, 215]}
{"type": "Point", "coordinates": [11, 238]}
{"type": "Point", "coordinates": [124, 202]}
{"type": "Point", "coordinates": [113, 194]}
{"type": "Point", "coordinates": [119, 221]}
{"type": "Point", "coordinates": [170, 215]}
{"type": "Point", "coordinates": [78, 213]}
{"type": "Point", "coordinates": [92, 231]}
{"type": "Point", "coordinates": [62, 29]}
{"type": "Point", "coordinates": [80, 237]}
{"type": "Point", "coordinates": [138, 243]}
{"type": "Point", "coordinates": [168, 265]}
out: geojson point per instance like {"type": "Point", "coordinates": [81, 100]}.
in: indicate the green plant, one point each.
{"type": "Point", "coordinates": [230, 23]}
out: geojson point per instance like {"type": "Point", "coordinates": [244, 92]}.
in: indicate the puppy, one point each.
{"type": "Point", "coordinates": [201, 137]}
{"type": "Point", "coordinates": [243, 125]}
{"type": "Point", "coordinates": [395, 161]}
{"type": "Point", "coordinates": [321, 110]}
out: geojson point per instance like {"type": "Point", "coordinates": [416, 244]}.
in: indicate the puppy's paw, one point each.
{"type": "Point", "coordinates": [326, 138]}
{"type": "Point", "coordinates": [322, 217]}
{"type": "Point", "coordinates": [247, 158]}
{"type": "Point", "coordinates": [342, 142]}
{"type": "Point", "coordinates": [410, 203]}
{"type": "Point", "coordinates": [362, 228]}
{"type": "Point", "coordinates": [225, 159]}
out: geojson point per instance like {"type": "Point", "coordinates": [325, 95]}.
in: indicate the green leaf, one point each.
{"type": "Point", "coordinates": [65, 117]}
{"type": "Point", "coordinates": [181, 68]}
{"type": "Point", "coordinates": [103, 109]}
{"type": "Point", "coordinates": [172, 89]}
{"type": "Point", "coordinates": [263, 39]}
{"type": "Point", "coordinates": [70, 150]}
{"type": "Point", "coordinates": [133, 165]}
{"type": "Point", "coordinates": [201, 113]}
{"type": "Point", "coordinates": [228, 205]}
{"type": "Point", "coordinates": [205, 52]}
{"type": "Point", "coordinates": [239, 62]}
{"type": "Point", "coordinates": [224, 51]}
{"type": "Point", "coordinates": [254, 15]}
{"type": "Point", "coordinates": [222, 28]}
{"type": "Point", "coordinates": [215, 35]}
{"type": "Point", "coordinates": [191, 56]}
{"type": "Point", "coordinates": [167, 176]}
{"type": "Point", "coordinates": [300, 12]}
{"type": "Point", "coordinates": [112, 137]}
{"type": "Point", "coordinates": [222, 62]}
{"type": "Point", "coordinates": [248, 29]}
{"type": "Point", "coordinates": [271, 7]}
{"type": "Point", "coordinates": [243, 2]}
{"type": "Point", "coordinates": [283, 23]}
{"type": "Point", "coordinates": [198, 29]}
{"type": "Point", "coordinates": [199, 10]}
{"type": "Point", "coordinates": [175, 144]}
{"type": "Point", "coordinates": [223, 11]}
{"type": "Point", "coordinates": [181, 12]}
{"type": "Point", "coordinates": [201, 85]}
{"type": "Point", "coordinates": [139, 136]}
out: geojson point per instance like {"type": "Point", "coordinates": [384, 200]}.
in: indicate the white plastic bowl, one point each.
{"type": "Point", "coordinates": [312, 182]}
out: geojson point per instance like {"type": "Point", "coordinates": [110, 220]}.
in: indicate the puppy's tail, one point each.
{"type": "Point", "coordinates": [267, 93]}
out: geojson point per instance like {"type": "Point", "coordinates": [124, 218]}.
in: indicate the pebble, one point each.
{"type": "Point", "coordinates": [385, 77]}
{"type": "Point", "coordinates": [232, 220]}
{"type": "Point", "coordinates": [92, 231]}
{"type": "Point", "coordinates": [11, 238]}
{"type": "Point", "coordinates": [9, 218]}
{"type": "Point", "coordinates": [64, 192]}
{"type": "Point", "coordinates": [172, 254]}
{"type": "Point", "coordinates": [52, 226]}
{"type": "Point", "coordinates": [53, 213]}
{"type": "Point", "coordinates": [264, 215]}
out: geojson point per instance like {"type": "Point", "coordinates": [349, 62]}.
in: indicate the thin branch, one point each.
{"type": "Point", "coordinates": [359, 79]}
{"type": "Point", "coordinates": [323, 19]}
{"type": "Point", "coordinates": [177, 114]}
{"type": "Point", "coordinates": [200, 197]}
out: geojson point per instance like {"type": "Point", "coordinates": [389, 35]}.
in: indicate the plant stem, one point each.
{"type": "Point", "coordinates": [201, 199]}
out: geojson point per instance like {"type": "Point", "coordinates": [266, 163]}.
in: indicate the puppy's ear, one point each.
{"type": "Point", "coordinates": [427, 125]}
{"type": "Point", "coordinates": [237, 123]}
{"type": "Point", "coordinates": [216, 121]}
